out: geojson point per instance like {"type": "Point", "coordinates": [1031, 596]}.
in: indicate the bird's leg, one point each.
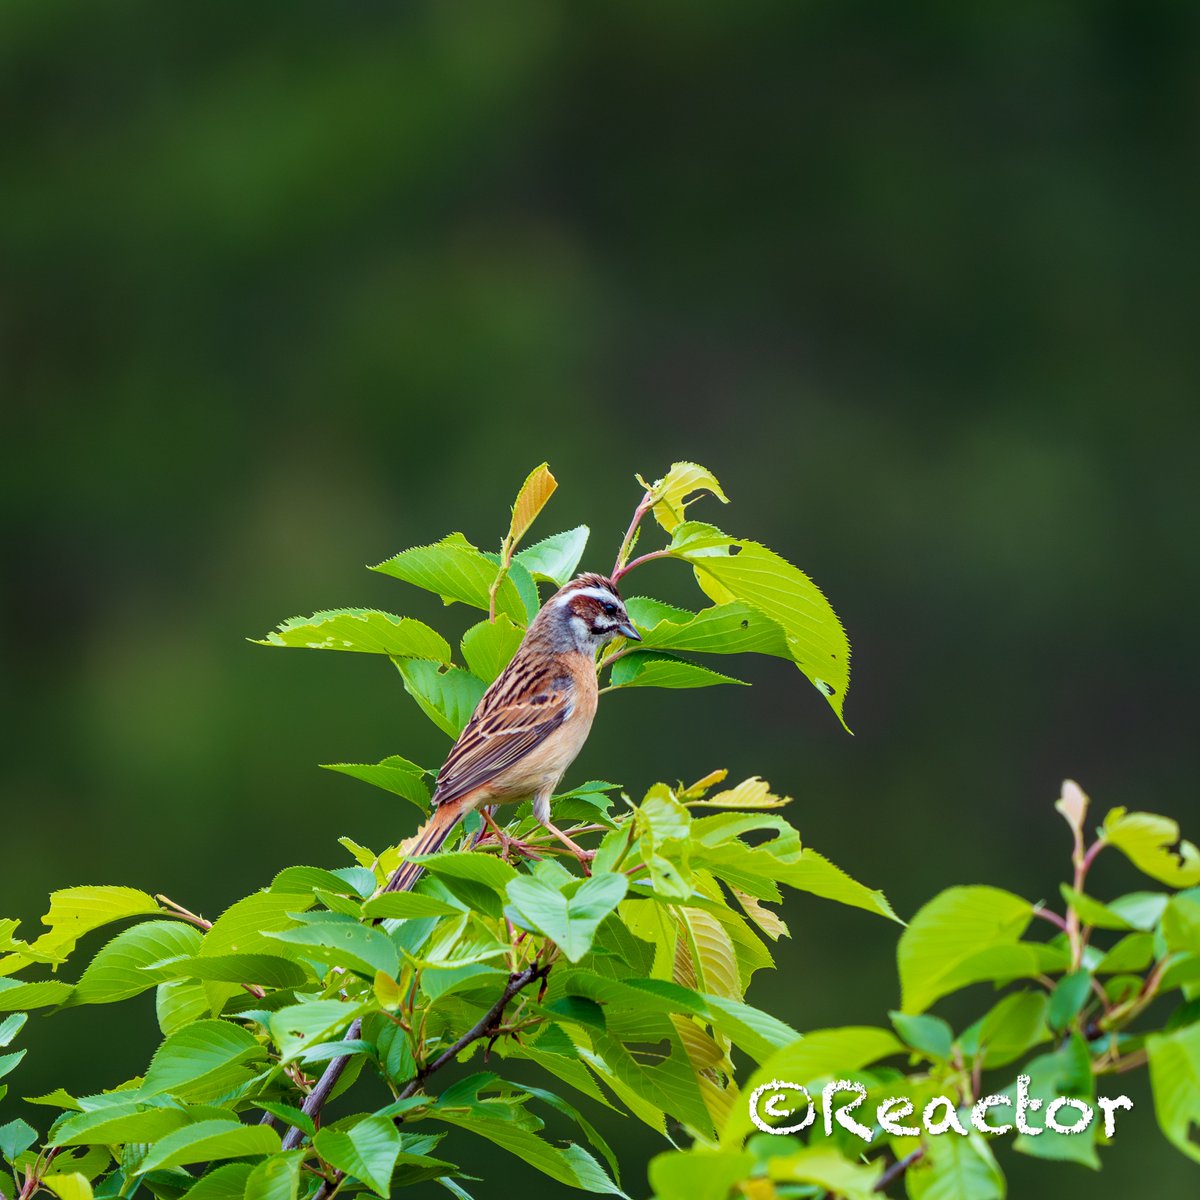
{"type": "Point", "coordinates": [507, 843]}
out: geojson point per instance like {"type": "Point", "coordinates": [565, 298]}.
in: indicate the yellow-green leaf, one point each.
{"type": "Point", "coordinates": [1146, 839]}
{"type": "Point", "coordinates": [678, 488]}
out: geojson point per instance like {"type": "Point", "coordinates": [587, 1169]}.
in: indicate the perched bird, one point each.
{"type": "Point", "coordinates": [532, 721]}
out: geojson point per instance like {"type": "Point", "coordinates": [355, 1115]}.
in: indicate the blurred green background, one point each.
{"type": "Point", "coordinates": [288, 287]}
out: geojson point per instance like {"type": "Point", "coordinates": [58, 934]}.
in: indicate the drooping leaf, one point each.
{"type": "Point", "coordinates": [676, 490]}
{"type": "Point", "coordinates": [133, 1121]}
{"type": "Point", "coordinates": [488, 646]}
{"type": "Point", "coordinates": [394, 774]}
{"type": "Point", "coordinates": [207, 1141]}
{"type": "Point", "coordinates": [962, 936]}
{"type": "Point", "coordinates": [447, 697]}
{"type": "Point", "coordinates": [78, 910]}
{"type": "Point", "coordinates": [265, 969]}
{"type": "Point", "coordinates": [1146, 839]}
{"type": "Point", "coordinates": [16, 996]}
{"type": "Point", "coordinates": [123, 967]}
{"type": "Point", "coordinates": [365, 630]}
{"type": "Point", "coordinates": [929, 1035]}
{"type": "Point", "coordinates": [825, 1167]}
{"type": "Point", "coordinates": [456, 570]}
{"type": "Point", "coordinates": [275, 1178]}
{"type": "Point", "coordinates": [1067, 999]}
{"type": "Point", "coordinates": [753, 793]}
{"type": "Point", "coordinates": [730, 569]}
{"type": "Point", "coordinates": [72, 1186]}
{"type": "Point", "coordinates": [813, 872]}
{"type": "Point", "coordinates": [555, 558]}
{"type": "Point", "coordinates": [652, 668]}
{"type": "Point", "coordinates": [1175, 1080]}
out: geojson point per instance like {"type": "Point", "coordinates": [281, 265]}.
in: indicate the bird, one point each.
{"type": "Point", "coordinates": [531, 722]}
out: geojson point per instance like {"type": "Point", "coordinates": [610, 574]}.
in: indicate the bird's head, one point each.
{"type": "Point", "coordinates": [591, 609]}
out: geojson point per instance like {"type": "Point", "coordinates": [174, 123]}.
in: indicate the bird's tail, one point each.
{"type": "Point", "coordinates": [426, 840]}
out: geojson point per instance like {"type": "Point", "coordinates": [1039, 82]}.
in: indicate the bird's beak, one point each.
{"type": "Point", "coordinates": [626, 629]}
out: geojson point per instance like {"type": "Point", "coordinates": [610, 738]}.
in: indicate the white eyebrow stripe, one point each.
{"type": "Point", "coordinates": [597, 593]}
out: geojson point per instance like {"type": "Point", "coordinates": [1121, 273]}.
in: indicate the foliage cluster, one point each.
{"type": "Point", "coordinates": [625, 985]}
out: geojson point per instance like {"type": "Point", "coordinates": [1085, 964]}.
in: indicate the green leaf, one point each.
{"type": "Point", "coordinates": [930, 1035]}
{"type": "Point", "coordinates": [752, 794]}
{"type": "Point", "coordinates": [728, 569]}
{"type": "Point", "coordinates": [206, 1141]}
{"type": "Point", "coordinates": [1065, 1072]}
{"type": "Point", "coordinates": [1011, 1027]}
{"type": "Point", "coordinates": [955, 1168]}
{"type": "Point", "coordinates": [393, 774]}
{"type": "Point", "coordinates": [14, 996]}
{"type": "Point", "coordinates": [221, 1183]}
{"type": "Point", "coordinates": [79, 910]}
{"type": "Point", "coordinates": [202, 1061]}
{"type": "Point", "coordinates": [962, 936]}
{"type": "Point", "coordinates": [1142, 910]}
{"type": "Point", "coordinates": [488, 647]}
{"type": "Point", "coordinates": [734, 628]}
{"type": "Point", "coordinates": [570, 922]}
{"type": "Point", "coordinates": [1175, 1080]}
{"type": "Point", "coordinates": [361, 629]}
{"type": "Point", "coordinates": [263, 969]}
{"type": "Point", "coordinates": [123, 967]}
{"type": "Point", "coordinates": [824, 1052]}
{"type": "Point", "coordinates": [571, 1164]}
{"type": "Point", "coordinates": [275, 1178]}
{"type": "Point", "coordinates": [298, 1027]}
{"type": "Point", "coordinates": [129, 1122]}
{"type": "Point", "coordinates": [73, 1186]}
{"type": "Point", "coordinates": [10, 1027]}
{"type": "Point", "coordinates": [651, 668]}
{"type": "Point", "coordinates": [813, 872]}
{"type": "Point", "coordinates": [15, 1138]}
{"type": "Point", "coordinates": [826, 1168]}
{"type": "Point", "coordinates": [408, 904]}
{"type": "Point", "coordinates": [447, 697]}
{"type": "Point", "coordinates": [179, 1003]}
{"type": "Point", "coordinates": [678, 488]}
{"type": "Point", "coordinates": [1092, 912]}
{"type": "Point", "coordinates": [1134, 952]}
{"type": "Point", "coordinates": [367, 1151]}
{"type": "Point", "coordinates": [699, 1174]}
{"type": "Point", "coordinates": [555, 558]}
{"type": "Point", "coordinates": [1146, 840]}
{"type": "Point", "coordinates": [10, 1062]}
{"type": "Point", "coordinates": [455, 570]}
{"type": "Point", "coordinates": [348, 944]}
{"type": "Point", "coordinates": [1180, 924]}
{"type": "Point", "coordinates": [1068, 997]}
{"type": "Point", "coordinates": [486, 869]}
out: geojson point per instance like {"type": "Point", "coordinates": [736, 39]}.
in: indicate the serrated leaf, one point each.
{"type": "Point", "coordinates": [123, 967]}
{"type": "Point", "coordinates": [10, 1062]}
{"type": "Point", "coordinates": [367, 1151]}
{"type": "Point", "coordinates": [730, 569]}
{"type": "Point", "coordinates": [537, 489]}
{"type": "Point", "coordinates": [129, 1122]}
{"type": "Point", "coordinates": [678, 488]}
{"type": "Point", "coordinates": [179, 1003]}
{"type": "Point", "coordinates": [363, 630]}
{"type": "Point", "coordinates": [447, 697]}
{"type": "Point", "coordinates": [555, 558]}
{"type": "Point", "coordinates": [570, 921]}
{"type": "Point", "coordinates": [276, 1178]}
{"type": "Point", "coordinates": [813, 872]}
{"type": "Point", "coordinates": [206, 1141]}
{"type": "Point", "coordinates": [651, 668]}
{"type": "Point", "coordinates": [824, 1052]}
{"type": "Point", "coordinates": [15, 1138]}
{"type": "Point", "coordinates": [1146, 839]}
{"type": "Point", "coordinates": [404, 905]}
{"type": "Point", "coordinates": [733, 628]}
{"type": "Point", "coordinates": [20, 996]}
{"type": "Point", "coordinates": [348, 944]}
{"type": "Point", "coordinates": [10, 1027]}
{"type": "Point", "coordinates": [486, 869]}
{"type": "Point", "coordinates": [488, 647]}
{"type": "Point", "coordinates": [265, 969]}
{"type": "Point", "coordinates": [222, 1183]}
{"type": "Point", "coordinates": [962, 936]}
{"type": "Point", "coordinates": [456, 571]}
{"type": "Point", "coordinates": [393, 774]}
{"type": "Point", "coordinates": [201, 1061]}
{"type": "Point", "coordinates": [298, 1027]}
{"type": "Point", "coordinates": [751, 794]}
{"type": "Point", "coordinates": [826, 1168]}
{"type": "Point", "coordinates": [78, 910]}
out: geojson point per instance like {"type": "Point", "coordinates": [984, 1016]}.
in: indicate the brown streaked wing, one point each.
{"type": "Point", "coordinates": [502, 732]}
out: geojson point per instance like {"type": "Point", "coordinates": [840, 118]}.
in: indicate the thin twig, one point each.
{"type": "Point", "coordinates": [897, 1169]}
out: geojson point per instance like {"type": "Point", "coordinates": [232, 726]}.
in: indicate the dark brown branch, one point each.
{"type": "Point", "coordinates": [484, 1027]}
{"type": "Point", "coordinates": [897, 1169]}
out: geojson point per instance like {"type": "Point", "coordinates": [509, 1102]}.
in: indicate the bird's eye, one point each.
{"type": "Point", "coordinates": [610, 608]}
